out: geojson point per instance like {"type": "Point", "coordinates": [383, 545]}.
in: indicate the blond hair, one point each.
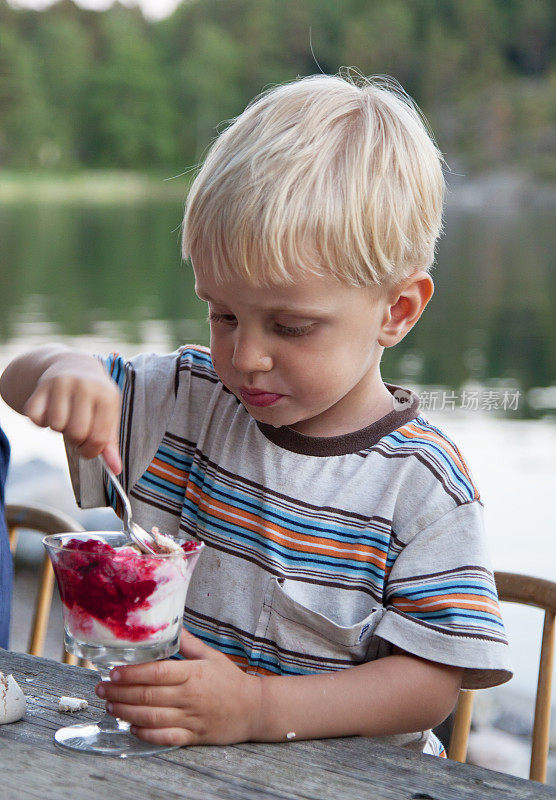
{"type": "Point", "coordinates": [326, 175]}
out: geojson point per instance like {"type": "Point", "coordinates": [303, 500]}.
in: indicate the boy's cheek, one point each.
{"type": "Point", "coordinates": [217, 363]}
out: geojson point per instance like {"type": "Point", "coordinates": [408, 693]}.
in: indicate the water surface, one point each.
{"type": "Point", "coordinates": [115, 270]}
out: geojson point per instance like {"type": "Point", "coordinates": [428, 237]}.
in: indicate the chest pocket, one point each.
{"type": "Point", "coordinates": [294, 639]}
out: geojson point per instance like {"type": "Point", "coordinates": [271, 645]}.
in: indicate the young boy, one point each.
{"type": "Point", "coordinates": [344, 588]}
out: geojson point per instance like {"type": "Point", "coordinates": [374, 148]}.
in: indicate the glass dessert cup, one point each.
{"type": "Point", "coordinates": [119, 607]}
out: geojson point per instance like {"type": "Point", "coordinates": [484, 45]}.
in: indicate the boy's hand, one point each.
{"type": "Point", "coordinates": [76, 397]}
{"type": "Point", "coordinates": [204, 700]}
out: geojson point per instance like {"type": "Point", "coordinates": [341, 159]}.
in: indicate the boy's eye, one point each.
{"type": "Point", "coordinates": [228, 319]}
{"type": "Point", "coordinates": [282, 330]}
{"type": "Point", "coordinates": [299, 330]}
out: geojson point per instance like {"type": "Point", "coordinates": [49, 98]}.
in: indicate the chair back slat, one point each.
{"type": "Point", "coordinates": [514, 588]}
{"type": "Point", "coordinates": [41, 519]}
{"type": "Point", "coordinates": [12, 537]}
{"type": "Point", "coordinates": [541, 724]}
{"type": "Point", "coordinates": [45, 521]}
{"type": "Point", "coordinates": [457, 750]}
{"type": "Point", "coordinates": [540, 593]}
{"type": "Point", "coordinates": [42, 609]}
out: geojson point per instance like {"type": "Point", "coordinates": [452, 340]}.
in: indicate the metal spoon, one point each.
{"type": "Point", "coordinates": [144, 541]}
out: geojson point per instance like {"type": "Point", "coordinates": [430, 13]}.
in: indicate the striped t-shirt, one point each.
{"type": "Point", "coordinates": [321, 553]}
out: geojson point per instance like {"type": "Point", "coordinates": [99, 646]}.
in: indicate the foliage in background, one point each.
{"type": "Point", "coordinates": [110, 90]}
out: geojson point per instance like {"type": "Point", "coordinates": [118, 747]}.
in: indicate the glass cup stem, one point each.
{"type": "Point", "coordinates": [108, 722]}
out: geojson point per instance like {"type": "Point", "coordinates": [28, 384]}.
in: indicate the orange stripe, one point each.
{"type": "Point", "coordinates": [173, 475]}
{"type": "Point", "coordinates": [409, 609]}
{"type": "Point", "coordinates": [245, 666]}
{"type": "Point", "coordinates": [232, 513]}
{"type": "Point", "coordinates": [431, 436]}
{"type": "Point", "coordinates": [422, 605]}
{"type": "Point", "coordinates": [272, 531]}
{"type": "Point", "coordinates": [451, 597]}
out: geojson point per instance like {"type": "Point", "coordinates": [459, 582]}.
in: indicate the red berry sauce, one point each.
{"type": "Point", "coordinates": [97, 581]}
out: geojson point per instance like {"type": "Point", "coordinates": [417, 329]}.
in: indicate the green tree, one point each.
{"type": "Point", "coordinates": [24, 120]}
{"type": "Point", "coordinates": [65, 45]}
{"type": "Point", "coordinates": [379, 39]}
{"type": "Point", "coordinates": [129, 113]}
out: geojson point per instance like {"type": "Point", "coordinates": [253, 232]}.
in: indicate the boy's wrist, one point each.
{"type": "Point", "coordinates": [255, 705]}
{"type": "Point", "coordinates": [271, 719]}
{"type": "Point", "coordinates": [67, 360]}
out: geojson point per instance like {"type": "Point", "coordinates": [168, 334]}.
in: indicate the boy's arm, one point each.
{"type": "Point", "coordinates": [19, 379]}
{"type": "Point", "coordinates": [69, 392]}
{"type": "Point", "coordinates": [207, 699]}
{"type": "Point", "coordinates": [396, 694]}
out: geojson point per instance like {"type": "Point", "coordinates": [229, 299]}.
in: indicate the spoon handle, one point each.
{"type": "Point", "coordinates": [126, 506]}
{"type": "Point", "coordinates": [140, 537]}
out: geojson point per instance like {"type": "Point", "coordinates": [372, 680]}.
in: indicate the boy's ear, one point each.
{"type": "Point", "coordinates": [404, 305]}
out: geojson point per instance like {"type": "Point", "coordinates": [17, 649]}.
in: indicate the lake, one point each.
{"type": "Point", "coordinates": [113, 269]}
{"type": "Point", "coordinates": [108, 276]}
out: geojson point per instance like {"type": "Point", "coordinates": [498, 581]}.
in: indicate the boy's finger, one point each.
{"type": "Point", "coordinates": [162, 696]}
{"type": "Point", "coordinates": [112, 457]}
{"type": "Point", "coordinates": [80, 419]}
{"type": "Point", "coordinates": [157, 673]}
{"type": "Point", "coordinates": [171, 737]}
{"type": "Point", "coordinates": [58, 409]}
{"type": "Point", "coordinates": [106, 419]}
{"type": "Point", "coordinates": [35, 407]}
{"type": "Point", "coordinates": [146, 716]}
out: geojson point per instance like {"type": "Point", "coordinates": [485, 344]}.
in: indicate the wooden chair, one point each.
{"type": "Point", "coordinates": [43, 520]}
{"type": "Point", "coordinates": [540, 593]}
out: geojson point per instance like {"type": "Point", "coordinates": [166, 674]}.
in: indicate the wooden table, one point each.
{"type": "Point", "coordinates": [32, 766]}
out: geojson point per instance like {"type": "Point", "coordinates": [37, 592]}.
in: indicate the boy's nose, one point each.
{"type": "Point", "coordinates": [250, 355]}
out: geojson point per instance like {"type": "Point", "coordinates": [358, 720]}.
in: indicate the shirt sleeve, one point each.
{"type": "Point", "coordinates": [441, 600]}
{"type": "Point", "coordinates": [148, 384]}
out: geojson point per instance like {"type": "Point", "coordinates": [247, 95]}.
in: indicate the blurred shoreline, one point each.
{"type": "Point", "coordinates": [91, 186]}
{"type": "Point", "coordinates": [500, 189]}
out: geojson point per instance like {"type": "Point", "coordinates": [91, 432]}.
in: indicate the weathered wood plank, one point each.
{"type": "Point", "coordinates": [354, 768]}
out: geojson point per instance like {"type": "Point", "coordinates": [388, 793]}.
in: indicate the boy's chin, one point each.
{"type": "Point", "coordinates": [276, 417]}
{"type": "Point", "coordinates": [267, 416]}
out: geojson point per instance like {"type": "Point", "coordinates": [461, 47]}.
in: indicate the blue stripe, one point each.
{"type": "Point", "coordinates": [112, 496]}
{"type": "Point", "coordinates": [426, 426]}
{"type": "Point", "coordinates": [286, 556]}
{"type": "Point", "coordinates": [116, 366]}
{"type": "Point", "coordinates": [165, 487]}
{"type": "Point", "coordinates": [443, 458]}
{"type": "Point", "coordinates": [454, 613]}
{"type": "Point", "coordinates": [283, 518]}
{"type": "Point", "coordinates": [274, 664]}
{"type": "Point", "coordinates": [198, 358]}
{"type": "Point", "coordinates": [227, 645]}
{"type": "Point", "coordinates": [224, 644]}
{"type": "Point", "coordinates": [182, 463]}
{"type": "Point", "coordinates": [448, 588]}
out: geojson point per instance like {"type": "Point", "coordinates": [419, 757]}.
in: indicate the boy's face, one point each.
{"type": "Point", "coordinates": [304, 355]}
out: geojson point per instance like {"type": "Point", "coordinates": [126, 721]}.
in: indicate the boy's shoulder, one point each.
{"type": "Point", "coordinates": [195, 356]}
{"type": "Point", "coordinates": [434, 451]}
{"type": "Point", "coordinates": [159, 378]}
{"type": "Point", "coordinates": [196, 361]}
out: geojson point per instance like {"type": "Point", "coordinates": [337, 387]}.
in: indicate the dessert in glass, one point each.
{"type": "Point", "coordinates": [120, 606]}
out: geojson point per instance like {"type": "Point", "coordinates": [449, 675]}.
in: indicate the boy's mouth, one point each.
{"type": "Point", "coordinates": [256, 397]}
